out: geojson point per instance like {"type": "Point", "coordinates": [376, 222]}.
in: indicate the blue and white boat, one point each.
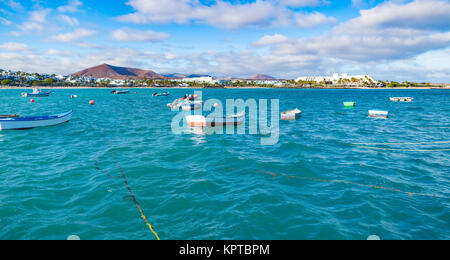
{"type": "Point", "coordinates": [37, 93]}
{"type": "Point", "coordinates": [21, 123]}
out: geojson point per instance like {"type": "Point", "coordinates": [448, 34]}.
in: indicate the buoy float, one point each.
{"type": "Point", "coordinates": [32, 101]}
{"type": "Point", "coordinates": [216, 105]}
{"type": "Point", "coordinates": [373, 237]}
{"type": "Point", "coordinates": [73, 237]}
{"type": "Point", "coordinates": [92, 102]}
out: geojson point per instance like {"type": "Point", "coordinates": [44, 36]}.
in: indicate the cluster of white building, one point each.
{"type": "Point", "coordinates": [338, 78]}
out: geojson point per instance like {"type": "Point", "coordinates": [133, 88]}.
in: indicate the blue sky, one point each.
{"type": "Point", "coordinates": [390, 40]}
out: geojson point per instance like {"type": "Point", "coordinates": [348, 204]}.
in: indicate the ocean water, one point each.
{"type": "Point", "coordinates": [312, 184]}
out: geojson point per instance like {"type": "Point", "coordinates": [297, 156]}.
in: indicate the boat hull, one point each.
{"type": "Point", "coordinates": [402, 99]}
{"type": "Point", "coordinates": [22, 123]}
{"type": "Point", "coordinates": [47, 94]}
{"type": "Point", "coordinates": [201, 121]}
{"type": "Point", "coordinates": [378, 114]}
{"type": "Point", "coordinates": [291, 115]}
{"type": "Point", "coordinates": [120, 92]}
{"type": "Point", "coordinates": [349, 104]}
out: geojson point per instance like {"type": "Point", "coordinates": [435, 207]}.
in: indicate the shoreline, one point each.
{"type": "Point", "coordinates": [66, 87]}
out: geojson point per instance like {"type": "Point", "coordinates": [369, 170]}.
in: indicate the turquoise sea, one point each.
{"type": "Point", "coordinates": [313, 184]}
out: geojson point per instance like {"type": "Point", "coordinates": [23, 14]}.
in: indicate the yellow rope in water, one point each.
{"type": "Point", "coordinates": [440, 142]}
{"type": "Point", "coordinates": [402, 150]}
{"type": "Point", "coordinates": [347, 182]}
{"type": "Point", "coordinates": [131, 197]}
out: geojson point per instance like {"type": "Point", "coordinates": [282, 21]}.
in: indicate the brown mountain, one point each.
{"type": "Point", "coordinates": [113, 72]}
{"type": "Point", "coordinates": [261, 77]}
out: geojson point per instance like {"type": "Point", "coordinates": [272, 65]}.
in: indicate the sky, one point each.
{"type": "Point", "coordinates": [390, 40]}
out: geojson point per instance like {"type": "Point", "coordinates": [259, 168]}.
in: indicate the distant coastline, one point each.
{"type": "Point", "coordinates": [437, 86]}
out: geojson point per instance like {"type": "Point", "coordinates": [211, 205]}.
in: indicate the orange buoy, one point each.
{"type": "Point", "coordinates": [32, 101]}
{"type": "Point", "coordinates": [92, 102]}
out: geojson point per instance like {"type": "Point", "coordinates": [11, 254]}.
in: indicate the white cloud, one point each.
{"type": "Point", "coordinates": [71, 7]}
{"type": "Point", "coordinates": [271, 40]}
{"type": "Point", "coordinates": [305, 3]}
{"type": "Point", "coordinates": [419, 14]}
{"type": "Point", "coordinates": [378, 34]}
{"type": "Point", "coordinates": [14, 46]}
{"type": "Point", "coordinates": [12, 4]}
{"type": "Point", "coordinates": [73, 36]}
{"type": "Point", "coordinates": [72, 21]}
{"type": "Point", "coordinates": [36, 21]}
{"type": "Point", "coordinates": [313, 20]}
{"type": "Point", "coordinates": [139, 36]}
{"type": "Point", "coordinates": [222, 14]}
{"type": "Point", "coordinates": [5, 21]}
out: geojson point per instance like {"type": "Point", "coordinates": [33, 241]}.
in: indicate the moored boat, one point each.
{"type": "Point", "coordinates": [349, 104]}
{"type": "Point", "coordinates": [401, 99]}
{"type": "Point", "coordinates": [291, 114]}
{"type": "Point", "coordinates": [119, 92]}
{"type": "Point", "coordinates": [378, 113]}
{"type": "Point", "coordinates": [202, 121]}
{"type": "Point", "coordinates": [37, 93]}
{"type": "Point", "coordinates": [9, 116]}
{"type": "Point", "coordinates": [161, 94]}
{"type": "Point", "coordinates": [21, 123]}
{"type": "Point", "coordinates": [186, 104]}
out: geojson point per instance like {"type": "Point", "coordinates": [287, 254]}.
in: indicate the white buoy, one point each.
{"type": "Point", "coordinates": [73, 238]}
{"type": "Point", "coordinates": [373, 238]}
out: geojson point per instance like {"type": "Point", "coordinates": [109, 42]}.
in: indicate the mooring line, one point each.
{"type": "Point", "coordinates": [401, 150]}
{"type": "Point", "coordinates": [130, 197]}
{"type": "Point", "coordinates": [349, 183]}
{"type": "Point", "coordinates": [421, 143]}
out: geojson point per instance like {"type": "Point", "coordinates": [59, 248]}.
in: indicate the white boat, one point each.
{"type": "Point", "coordinates": [21, 123]}
{"type": "Point", "coordinates": [378, 113]}
{"type": "Point", "coordinates": [185, 105]}
{"type": "Point", "coordinates": [191, 105]}
{"type": "Point", "coordinates": [161, 94]}
{"type": "Point", "coordinates": [202, 121]}
{"type": "Point", "coordinates": [120, 92]}
{"type": "Point", "coordinates": [37, 93]}
{"type": "Point", "coordinates": [401, 99]}
{"type": "Point", "coordinates": [291, 114]}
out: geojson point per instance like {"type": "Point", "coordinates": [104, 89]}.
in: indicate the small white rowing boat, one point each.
{"type": "Point", "coordinates": [402, 99]}
{"type": "Point", "coordinates": [22, 123]}
{"type": "Point", "coordinates": [291, 114]}
{"type": "Point", "coordinates": [201, 121]}
{"type": "Point", "coordinates": [378, 114]}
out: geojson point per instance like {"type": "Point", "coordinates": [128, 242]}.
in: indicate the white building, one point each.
{"type": "Point", "coordinates": [208, 80]}
{"type": "Point", "coordinates": [338, 77]}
